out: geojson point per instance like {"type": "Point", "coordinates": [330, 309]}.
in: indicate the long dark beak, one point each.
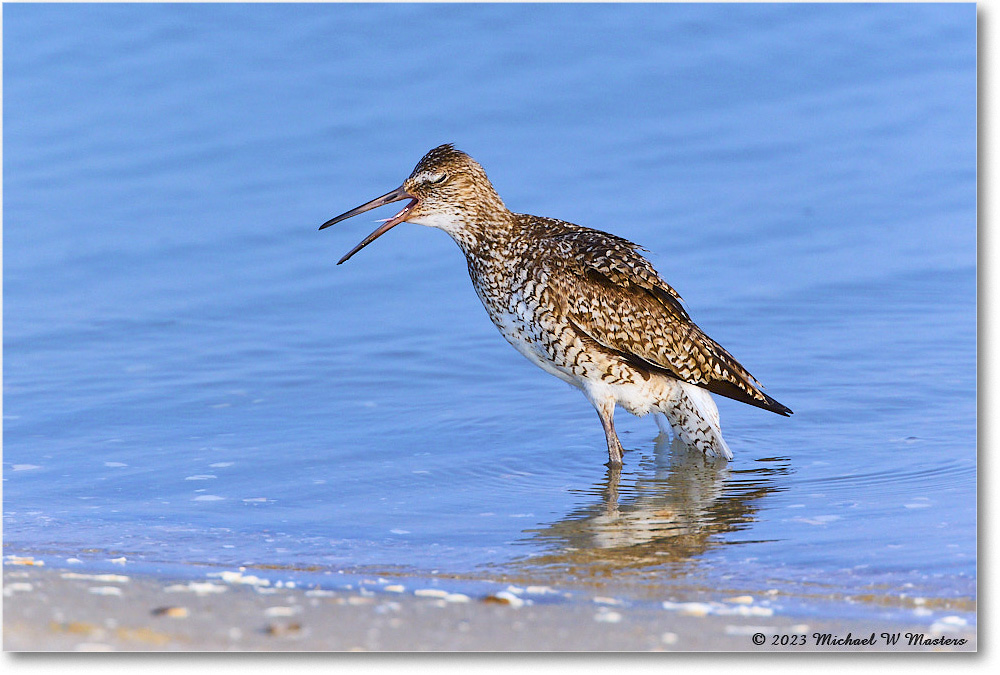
{"type": "Point", "coordinates": [394, 196]}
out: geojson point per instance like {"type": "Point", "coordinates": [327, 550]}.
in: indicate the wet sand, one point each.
{"type": "Point", "coordinates": [49, 609]}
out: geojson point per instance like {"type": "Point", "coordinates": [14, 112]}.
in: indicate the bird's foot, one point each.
{"type": "Point", "coordinates": [615, 455]}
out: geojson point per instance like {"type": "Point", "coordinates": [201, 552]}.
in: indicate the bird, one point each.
{"type": "Point", "coordinates": [582, 304]}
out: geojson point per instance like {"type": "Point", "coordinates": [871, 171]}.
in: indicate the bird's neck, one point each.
{"type": "Point", "coordinates": [484, 233]}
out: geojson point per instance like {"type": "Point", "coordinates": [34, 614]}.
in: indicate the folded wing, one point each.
{"type": "Point", "coordinates": [614, 297]}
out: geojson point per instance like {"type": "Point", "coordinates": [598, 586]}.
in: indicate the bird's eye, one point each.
{"type": "Point", "coordinates": [436, 178]}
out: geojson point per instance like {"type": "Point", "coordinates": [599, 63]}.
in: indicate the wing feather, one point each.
{"type": "Point", "coordinates": [615, 297]}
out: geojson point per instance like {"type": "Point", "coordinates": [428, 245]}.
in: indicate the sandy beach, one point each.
{"type": "Point", "coordinates": [48, 609]}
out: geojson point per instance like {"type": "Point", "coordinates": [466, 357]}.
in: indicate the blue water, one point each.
{"type": "Point", "coordinates": [190, 380]}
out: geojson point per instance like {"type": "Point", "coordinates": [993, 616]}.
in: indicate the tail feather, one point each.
{"type": "Point", "coordinates": [694, 417]}
{"type": "Point", "coordinates": [730, 390]}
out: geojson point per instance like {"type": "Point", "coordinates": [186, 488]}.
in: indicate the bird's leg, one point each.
{"type": "Point", "coordinates": [606, 411]}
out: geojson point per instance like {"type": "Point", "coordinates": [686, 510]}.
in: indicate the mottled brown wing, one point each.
{"type": "Point", "coordinates": [615, 297]}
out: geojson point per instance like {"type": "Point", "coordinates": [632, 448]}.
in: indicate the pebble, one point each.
{"type": "Point", "coordinates": [718, 609]}
{"type": "Point", "coordinates": [505, 598]}
{"type": "Point", "coordinates": [607, 601]}
{"type": "Point", "coordinates": [240, 578]}
{"type": "Point", "coordinates": [689, 608]}
{"type": "Point", "coordinates": [431, 593]}
{"type": "Point", "coordinates": [18, 560]}
{"type": "Point", "coordinates": [108, 578]}
{"type": "Point", "coordinates": [196, 587]}
{"type": "Point", "coordinates": [283, 630]}
{"type": "Point", "coordinates": [607, 616]}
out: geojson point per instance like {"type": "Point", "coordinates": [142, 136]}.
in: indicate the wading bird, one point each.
{"type": "Point", "coordinates": [581, 304]}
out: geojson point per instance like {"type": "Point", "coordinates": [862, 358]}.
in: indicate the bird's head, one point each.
{"type": "Point", "coordinates": [447, 190]}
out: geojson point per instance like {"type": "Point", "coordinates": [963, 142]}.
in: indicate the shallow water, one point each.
{"type": "Point", "coordinates": [191, 381]}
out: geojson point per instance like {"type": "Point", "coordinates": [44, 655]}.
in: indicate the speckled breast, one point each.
{"type": "Point", "coordinates": [527, 313]}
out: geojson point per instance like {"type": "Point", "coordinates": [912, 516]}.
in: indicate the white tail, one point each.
{"type": "Point", "coordinates": [694, 417]}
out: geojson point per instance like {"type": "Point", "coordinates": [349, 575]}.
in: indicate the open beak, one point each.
{"type": "Point", "coordinates": [394, 196]}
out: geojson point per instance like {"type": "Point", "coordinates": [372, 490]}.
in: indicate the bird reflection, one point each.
{"type": "Point", "coordinates": [674, 508]}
